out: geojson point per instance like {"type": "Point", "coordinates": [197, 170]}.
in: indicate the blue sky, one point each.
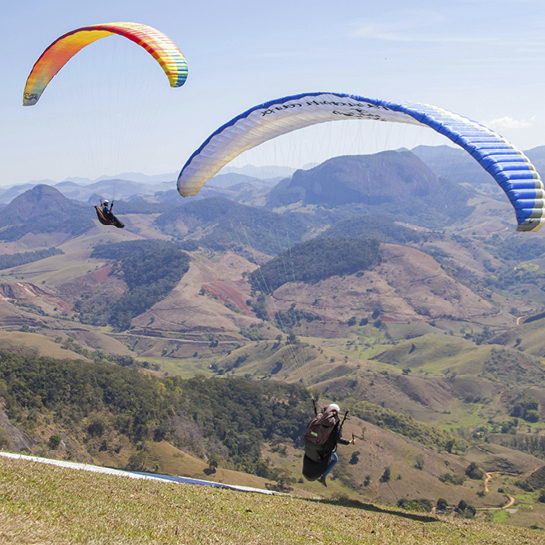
{"type": "Point", "coordinates": [482, 59]}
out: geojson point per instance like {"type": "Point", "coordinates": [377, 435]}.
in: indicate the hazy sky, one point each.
{"type": "Point", "coordinates": [111, 110]}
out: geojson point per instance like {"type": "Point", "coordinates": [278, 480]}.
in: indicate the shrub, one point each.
{"type": "Point", "coordinates": [354, 458]}
{"type": "Point", "coordinates": [452, 479]}
{"type": "Point", "coordinates": [420, 505]}
{"type": "Point", "coordinates": [54, 442]}
{"type": "Point", "coordinates": [473, 472]}
{"type": "Point", "coordinates": [419, 462]}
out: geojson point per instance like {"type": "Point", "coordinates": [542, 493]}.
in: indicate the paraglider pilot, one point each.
{"type": "Point", "coordinates": [105, 215]}
{"type": "Point", "coordinates": [107, 211]}
{"type": "Point", "coordinates": [321, 439]}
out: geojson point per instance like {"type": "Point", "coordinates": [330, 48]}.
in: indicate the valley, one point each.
{"type": "Point", "coordinates": [433, 340]}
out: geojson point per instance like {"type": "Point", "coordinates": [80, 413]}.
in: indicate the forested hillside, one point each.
{"type": "Point", "coordinates": [316, 260]}
{"type": "Point", "coordinates": [150, 269]}
{"type": "Point", "coordinates": [14, 260]}
{"type": "Point", "coordinates": [104, 407]}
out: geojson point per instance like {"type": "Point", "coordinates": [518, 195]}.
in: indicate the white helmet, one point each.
{"type": "Point", "coordinates": [333, 407]}
{"type": "Point", "coordinates": [106, 202]}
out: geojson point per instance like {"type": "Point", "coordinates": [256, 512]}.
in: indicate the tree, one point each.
{"type": "Point", "coordinates": [137, 462]}
{"type": "Point", "coordinates": [96, 428]}
{"type": "Point", "coordinates": [355, 458]}
{"type": "Point", "coordinates": [442, 504]}
{"type": "Point", "coordinates": [54, 442]}
{"type": "Point", "coordinates": [213, 462]}
{"type": "Point", "coordinates": [419, 462]}
{"type": "Point", "coordinates": [473, 472]}
{"type": "Point", "coordinates": [386, 475]}
{"type": "Point", "coordinates": [284, 480]}
{"type": "Point", "coordinates": [461, 506]}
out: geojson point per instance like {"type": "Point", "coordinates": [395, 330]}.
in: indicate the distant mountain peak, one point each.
{"type": "Point", "coordinates": [41, 200]}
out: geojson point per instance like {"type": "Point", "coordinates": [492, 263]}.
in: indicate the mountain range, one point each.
{"type": "Point", "coordinates": [445, 162]}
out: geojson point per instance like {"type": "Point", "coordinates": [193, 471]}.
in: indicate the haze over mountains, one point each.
{"type": "Point", "coordinates": [445, 162]}
{"type": "Point", "coordinates": [438, 314]}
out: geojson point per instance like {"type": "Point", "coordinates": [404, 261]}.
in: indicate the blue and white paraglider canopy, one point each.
{"type": "Point", "coordinates": [510, 168]}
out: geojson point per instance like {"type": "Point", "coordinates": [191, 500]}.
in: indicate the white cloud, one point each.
{"type": "Point", "coordinates": [510, 123]}
{"type": "Point", "coordinates": [448, 26]}
{"type": "Point", "coordinates": [416, 26]}
{"type": "Point", "coordinates": [405, 33]}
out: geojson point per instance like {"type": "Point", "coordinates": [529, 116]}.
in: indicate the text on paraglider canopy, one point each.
{"type": "Point", "coordinates": [357, 112]}
{"type": "Point", "coordinates": [358, 105]}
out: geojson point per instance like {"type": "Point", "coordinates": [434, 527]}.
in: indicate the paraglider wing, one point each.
{"type": "Point", "coordinates": [510, 167]}
{"type": "Point", "coordinates": [161, 47]}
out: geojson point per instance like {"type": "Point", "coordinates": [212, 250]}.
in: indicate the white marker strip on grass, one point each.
{"type": "Point", "coordinates": [134, 474]}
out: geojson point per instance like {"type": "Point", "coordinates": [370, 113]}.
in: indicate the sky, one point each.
{"type": "Point", "coordinates": [110, 109]}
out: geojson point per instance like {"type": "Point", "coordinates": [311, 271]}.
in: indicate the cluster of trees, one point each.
{"type": "Point", "coordinates": [474, 472]}
{"type": "Point", "coordinates": [229, 417]}
{"type": "Point", "coordinates": [286, 321]}
{"type": "Point", "coordinates": [419, 505]}
{"type": "Point", "coordinates": [514, 280]}
{"type": "Point", "coordinates": [14, 260]}
{"type": "Point", "coordinates": [406, 425]}
{"type": "Point", "coordinates": [316, 260]}
{"type": "Point", "coordinates": [424, 505]}
{"type": "Point", "coordinates": [452, 479]}
{"type": "Point", "coordinates": [76, 226]}
{"type": "Point", "coordinates": [151, 269]}
{"type": "Point", "coordinates": [242, 414]}
{"type": "Point", "coordinates": [258, 305]}
{"type": "Point", "coordinates": [535, 444]}
{"type": "Point", "coordinates": [527, 410]}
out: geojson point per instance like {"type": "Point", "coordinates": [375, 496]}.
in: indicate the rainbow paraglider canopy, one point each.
{"type": "Point", "coordinates": [160, 46]}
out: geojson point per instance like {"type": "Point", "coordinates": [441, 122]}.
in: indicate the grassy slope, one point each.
{"type": "Point", "coordinates": [45, 504]}
{"type": "Point", "coordinates": [33, 343]}
{"type": "Point", "coordinates": [167, 459]}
